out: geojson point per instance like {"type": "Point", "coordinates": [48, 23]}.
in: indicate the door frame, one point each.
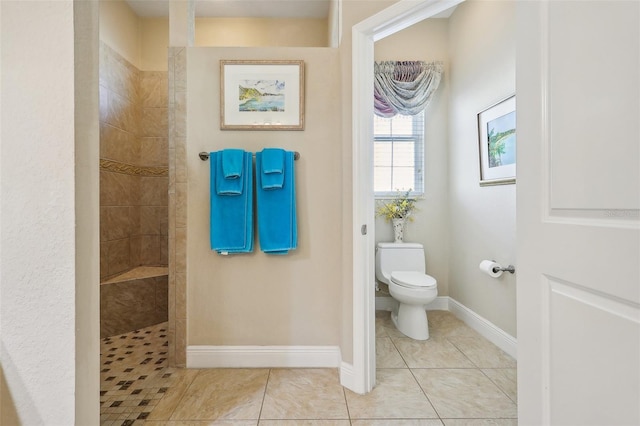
{"type": "Point", "coordinates": [364, 34]}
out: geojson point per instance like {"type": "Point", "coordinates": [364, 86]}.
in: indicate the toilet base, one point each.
{"type": "Point", "coordinates": [411, 320]}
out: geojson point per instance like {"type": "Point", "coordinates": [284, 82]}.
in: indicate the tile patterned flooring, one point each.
{"type": "Point", "coordinates": [455, 378]}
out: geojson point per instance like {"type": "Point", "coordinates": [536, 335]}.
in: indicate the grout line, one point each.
{"type": "Point", "coordinates": [264, 395]}
{"type": "Point", "coordinates": [425, 395]}
{"type": "Point", "coordinates": [463, 354]}
{"type": "Point", "coordinates": [496, 384]}
{"type": "Point", "coordinates": [184, 393]}
{"type": "Point", "coordinates": [416, 379]}
{"type": "Point", "coordinates": [406, 364]}
{"type": "Point", "coordinates": [346, 403]}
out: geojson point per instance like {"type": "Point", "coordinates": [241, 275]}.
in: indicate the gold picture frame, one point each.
{"type": "Point", "coordinates": [262, 95]}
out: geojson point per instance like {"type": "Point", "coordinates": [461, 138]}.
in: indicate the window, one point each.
{"type": "Point", "coordinates": [398, 154]}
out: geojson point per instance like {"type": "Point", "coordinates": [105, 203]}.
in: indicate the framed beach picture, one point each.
{"type": "Point", "coordinates": [261, 95]}
{"type": "Point", "coordinates": [497, 143]}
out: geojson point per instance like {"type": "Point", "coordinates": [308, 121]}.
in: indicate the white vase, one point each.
{"type": "Point", "coordinates": [398, 230]}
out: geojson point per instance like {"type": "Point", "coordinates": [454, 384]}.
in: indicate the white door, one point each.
{"type": "Point", "coordinates": [578, 217]}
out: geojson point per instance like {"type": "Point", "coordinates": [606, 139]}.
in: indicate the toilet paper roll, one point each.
{"type": "Point", "coordinates": [491, 268]}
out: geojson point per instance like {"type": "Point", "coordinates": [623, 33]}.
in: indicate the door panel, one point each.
{"type": "Point", "coordinates": [593, 70]}
{"type": "Point", "coordinates": [593, 374]}
{"type": "Point", "coordinates": [578, 212]}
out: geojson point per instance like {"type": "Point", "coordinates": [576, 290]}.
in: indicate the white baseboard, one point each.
{"type": "Point", "coordinates": [441, 303]}
{"type": "Point", "coordinates": [263, 356]}
{"type": "Point", "coordinates": [347, 375]}
{"type": "Point", "coordinates": [329, 356]}
{"type": "Point", "coordinates": [385, 303]}
{"type": "Point", "coordinates": [487, 329]}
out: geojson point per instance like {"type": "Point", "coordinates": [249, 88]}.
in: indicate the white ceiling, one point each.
{"type": "Point", "coordinates": [239, 8]}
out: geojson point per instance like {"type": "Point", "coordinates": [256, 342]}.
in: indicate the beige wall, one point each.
{"type": "Point", "coordinates": [427, 41]}
{"type": "Point", "coordinates": [141, 41]}
{"type": "Point", "coordinates": [258, 299]}
{"type": "Point", "coordinates": [144, 41]}
{"type": "Point", "coordinates": [482, 218]}
{"type": "Point", "coordinates": [267, 32]}
{"type": "Point", "coordinates": [154, 41]}
{"type": "Point", "coordinates": [120, 29]}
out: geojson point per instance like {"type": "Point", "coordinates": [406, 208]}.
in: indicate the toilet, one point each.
{"type": "Point", "coordinates": [402, 267]}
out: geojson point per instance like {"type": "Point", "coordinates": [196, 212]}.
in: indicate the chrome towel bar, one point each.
{"type": "Point", "coordinates": [204, 156]}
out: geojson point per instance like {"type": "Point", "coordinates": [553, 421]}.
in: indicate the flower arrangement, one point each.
{"type": "Point", "coordinates": [400, 207]}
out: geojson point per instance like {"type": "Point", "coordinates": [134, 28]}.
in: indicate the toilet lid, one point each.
{"type": "Point", "coordinates": [413, 279]}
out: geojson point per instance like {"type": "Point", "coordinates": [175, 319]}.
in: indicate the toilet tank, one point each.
{"type": "Point", "coordinates": [398, 257]}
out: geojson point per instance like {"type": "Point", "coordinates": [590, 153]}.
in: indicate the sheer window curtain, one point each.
{"type": "Point", "coordinates": [404, 87]}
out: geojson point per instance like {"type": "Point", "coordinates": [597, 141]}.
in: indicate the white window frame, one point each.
{"type": "Point", "coordinates": [419, 154]}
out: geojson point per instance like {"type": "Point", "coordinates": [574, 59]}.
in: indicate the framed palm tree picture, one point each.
{"type": "Point", "coordinates": [497, 143]}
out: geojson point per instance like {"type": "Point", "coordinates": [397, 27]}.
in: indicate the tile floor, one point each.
{"type": "Point", "coordinates": [455, 378]}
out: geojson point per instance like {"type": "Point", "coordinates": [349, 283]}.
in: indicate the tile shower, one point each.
{"type": "Point", "coordinates": [134, 183]}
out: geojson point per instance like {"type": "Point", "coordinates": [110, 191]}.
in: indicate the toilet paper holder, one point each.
{"type": "Point", "coordinates": [511, 269]}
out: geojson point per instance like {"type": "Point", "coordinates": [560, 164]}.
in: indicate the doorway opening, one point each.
{"type": "Point", "coordinates": [397, 18]}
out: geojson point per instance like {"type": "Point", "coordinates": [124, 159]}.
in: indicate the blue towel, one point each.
{"type": "Point", "coordinates": [229, 176]}
{"type": "Point", "coordinates": [231, 215]}
{"type": "Point", "coordinates": [272, 169]}
{"type": "Point", "coordinates": [232, 163]}
{"type": "Point", "coordinates": [277, 220]}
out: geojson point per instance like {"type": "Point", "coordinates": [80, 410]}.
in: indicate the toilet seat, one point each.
{"type": "Point", "coordinates": [413, 279]}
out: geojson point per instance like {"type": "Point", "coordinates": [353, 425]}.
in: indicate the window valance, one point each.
{"type": "Point", "coordinates": [404, 87]}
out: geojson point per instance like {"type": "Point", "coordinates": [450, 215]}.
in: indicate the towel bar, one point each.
{"type": "Point", "coordinates": [204, 156]}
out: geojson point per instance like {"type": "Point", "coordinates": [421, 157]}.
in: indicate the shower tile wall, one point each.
{"type": "Point", "coordinates": [177, 324]}
{"type": "Point", "coordinates": [133, 304]}
{"type": "Point", "coordinates": [133, 165]}
{"type": "Point", "coordinates": [154, 154]}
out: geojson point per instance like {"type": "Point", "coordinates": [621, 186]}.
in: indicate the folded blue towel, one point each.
{"type": "Point", "coordinates": [273, 160]}
{"type": "Point", "coordinates": [272, 169]}
{"type": "Point", "coordinates": [229, 162]}
{"type": "Point", "coordinates": [277, 218]}
{"type": "Point", "coordinates": [231, 216]}
{"type": "Point", "coordinates": [232, 163]}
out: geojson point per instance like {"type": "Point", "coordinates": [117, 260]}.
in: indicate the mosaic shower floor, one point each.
{"type": "Point", "coordinates": [134, 375]}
